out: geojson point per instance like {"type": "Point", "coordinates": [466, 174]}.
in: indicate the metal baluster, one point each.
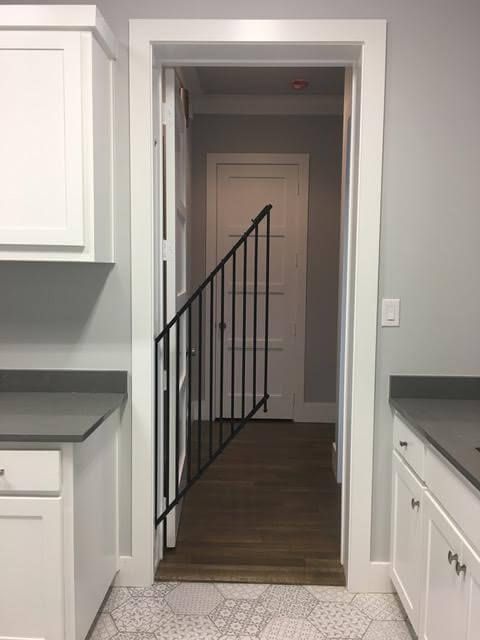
{"type": "Point", "coordinates": [255, 295]}
{"type": "Point", "coordinates": [222, 349]}
{"type": "Point", "coordinates": [210, 421]}
{"type": "Point", "coordinates": [189, 387]}
{"type": "Point", "coordinates": [200, 344]}
{"type": "Point", "coordinates": [166, 422]}
{"type": "Point", "coordinates": [244, 335]}
{"type": "Point", "coordinates": [177, 403]}
{"type": "Point", "coordinates": [232, 386]}
{"type": "Point", "coordinates": [267, 305]}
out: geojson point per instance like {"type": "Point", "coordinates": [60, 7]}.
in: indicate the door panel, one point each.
{"type": "Point", "coordinates": [407, 537]}
{"type": "Point", "coordinates": [472, 591]}
{"type": "Point", "coordinates": [243, 190]}
{"type": "Point", "coordinates": [177, 169]}
{"type": "Point", "coordinates": [444, 616]}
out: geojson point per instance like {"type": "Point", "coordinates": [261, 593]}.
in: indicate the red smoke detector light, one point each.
{"type": "Point", "coordinates": [300, 84]}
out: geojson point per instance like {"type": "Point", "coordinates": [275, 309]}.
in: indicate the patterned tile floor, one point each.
{"type": "Point", "coordinates": [214, 611]}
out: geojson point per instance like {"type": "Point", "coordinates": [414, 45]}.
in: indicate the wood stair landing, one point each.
{"type": "Point", "coordinates": [267, 510]}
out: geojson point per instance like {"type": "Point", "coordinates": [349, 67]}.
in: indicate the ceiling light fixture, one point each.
{"type": "Point", "coordinates": [299, 84]}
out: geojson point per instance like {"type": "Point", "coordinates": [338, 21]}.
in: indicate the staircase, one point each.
{"type": "Point", "coordinates": [210, 378]}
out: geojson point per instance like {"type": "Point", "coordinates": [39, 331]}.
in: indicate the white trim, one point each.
{"type": "Point", "coordinates": [324, 412]}
{"type": "Point", "coordinates": [60, 18]}
{"type": "Point", "coordinates": [302, 161]}
{"type": "Point", "coordinates": [368, 39]}
{"type": "Point", "coordinates": [312, 105]}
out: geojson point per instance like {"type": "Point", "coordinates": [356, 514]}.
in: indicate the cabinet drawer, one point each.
{"type": "Point", "coordinates": [409, 446]}
{"type": "Point", "coordinates": [24, 471]}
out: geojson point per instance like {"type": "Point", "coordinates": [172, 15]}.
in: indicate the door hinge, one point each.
{"type": "Point", "coordinates": [164, 250]}
{"type": "Point", "coordinates": [165, 380]}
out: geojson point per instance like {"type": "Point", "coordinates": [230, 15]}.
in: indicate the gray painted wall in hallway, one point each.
{"type": "Point", "coordinates": [321, 137]}
{"type": "Point", "coordinates": [430, 220]}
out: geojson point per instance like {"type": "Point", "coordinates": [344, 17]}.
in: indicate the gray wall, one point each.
{"type": "Point", "coordinates": [321, 137]}
{"type": "Point", "coordinates": [430, 218]}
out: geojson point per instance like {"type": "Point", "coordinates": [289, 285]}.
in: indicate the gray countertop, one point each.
{"type": "Point", "coordinates": [446, 413]}
{"type": "Point", "coordinates": [57, 406]}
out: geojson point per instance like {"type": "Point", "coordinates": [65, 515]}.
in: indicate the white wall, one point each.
{"type": "Point", "coordinates": [430, 224]}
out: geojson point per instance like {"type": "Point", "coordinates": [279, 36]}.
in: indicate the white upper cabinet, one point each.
{"type": "Point", "coordinates": [56, 134]}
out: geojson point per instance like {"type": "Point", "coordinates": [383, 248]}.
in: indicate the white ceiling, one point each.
{"type": "Point", "coordinates": [269, 80]}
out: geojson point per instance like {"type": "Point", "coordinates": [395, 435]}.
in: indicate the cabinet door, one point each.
{"type": "Point", "coordinates": [472, 593]}
{"type": "Point", "coordinates": [444, 609]}
{"type": "Point", "coordinates": [31, 569]}
{"type": "Point", "coordinates": [407, 516]}
{"type": "Point", "coordinates": [41, 158]}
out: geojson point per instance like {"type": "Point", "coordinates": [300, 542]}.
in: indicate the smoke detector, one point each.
{"type": "Point", "coordinates": [299, 84]}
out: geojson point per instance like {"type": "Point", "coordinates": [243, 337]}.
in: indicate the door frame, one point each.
{"type": "Point", "coordinates": [302, 161]}
{"type": "Point", "coordinates": [224, 42]}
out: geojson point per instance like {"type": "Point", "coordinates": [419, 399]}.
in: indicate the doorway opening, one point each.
{"type": "Point", "coordinates": [360, 45]}
{"type": "Point", "coordinates": [236, 139]}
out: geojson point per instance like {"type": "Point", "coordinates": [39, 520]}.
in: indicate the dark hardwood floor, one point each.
{"type": "Point", "coordinates": [267, 510]}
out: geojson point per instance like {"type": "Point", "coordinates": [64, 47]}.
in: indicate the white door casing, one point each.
{"type": "Point", "coordinates": [175, 260]}
{"type": "Point", "coordinates": [223, 42]}
{"type": "Point", "coordinates": [239, 186]}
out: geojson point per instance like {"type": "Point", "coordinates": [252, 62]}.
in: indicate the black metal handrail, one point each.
{"type": "Point", "coordinates": [179, 434]}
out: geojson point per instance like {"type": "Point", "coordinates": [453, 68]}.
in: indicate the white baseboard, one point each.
{"type": "Point", "coordinates": [316, 412]}
{"type": "Point", "coordinates": [375, 578]}
{"type": "Point", "coordinates": [127, 575]}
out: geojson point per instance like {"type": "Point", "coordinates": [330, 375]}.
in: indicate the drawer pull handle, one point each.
{"type": "Point", "coordinates": [2, 472]}
{"type": "Point", "coordinates": [452, 557]}
{"type": "Point", "coordinates": [460, 568]}
{"type": "Point", "coordinates": [415, 504]}
{"type": "Point", "coordinates": [403, 444]}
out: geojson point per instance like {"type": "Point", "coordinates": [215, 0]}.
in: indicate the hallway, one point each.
{"type": "Point", "coordinates": [267, 510]}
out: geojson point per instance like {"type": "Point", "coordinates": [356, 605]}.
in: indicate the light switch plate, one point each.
{"type": "Point", "coordinates": [390, 312]}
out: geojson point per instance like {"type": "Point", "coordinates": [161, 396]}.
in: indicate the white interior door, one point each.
{"type": "Point", "coordinates": [243, 186]}
{"type": "Point", "coordinates": [177, 169]}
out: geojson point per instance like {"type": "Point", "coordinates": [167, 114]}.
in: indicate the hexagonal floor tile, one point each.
{"type": "Point", "coordinates": [104, 628]}
{"type": "Point", "coordinates": [186, 627]}
{"type": "Point", "coordinates": [241, 617]}
{"type": "Point", "coordinates": [336, 620]}
{"type": "Point", "coordinates": [139, 615]}
{"type": "Point", "coordinates": [331, 594]}
{"type": "Point", "coordinates": [194, 598]}
{"type": "Point", "coordinates": [241, 591]}
{"type": "Point", "coordinates": [391, 630]}
{"type": "Point", "coordinates": [288, 628]}
{"type": "Point", "coordinates": [289, 601]}
{"type": "Point", "coordinates": [134, 636]}
{"type": "Point", "coordinates": [116, 597]}
{"type": "Point", "coordinates": [380, 606]}
{"type": "Point", "coordinates": [157, 590]}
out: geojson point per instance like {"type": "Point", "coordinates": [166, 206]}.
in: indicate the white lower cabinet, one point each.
{"type": "Point", "coordinates": [444, 604]}
{"type": "Point", "coordinates": [407, 508]}
{"type": "Point", "coordinates": [471, 560]}
{"type": "Point", "coordinates": [435, 567]}
{"type": "Point", "coordinates": [31, 562]}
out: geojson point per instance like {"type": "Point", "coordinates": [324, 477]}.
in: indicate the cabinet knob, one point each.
{"type": "Point", "coordinates": [452, 557]}
{"type": "Point", "coordinates": [415, 504]}
{"type": "Point", "coordinates": [2, 472]}
{"type": "Point", "coordinates": [460, 568]}
{"type": "Point", "coordinates": [403, 444]}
